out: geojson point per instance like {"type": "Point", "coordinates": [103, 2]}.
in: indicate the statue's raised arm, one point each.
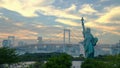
{"type": "Point", "coordinates": [83, 26]}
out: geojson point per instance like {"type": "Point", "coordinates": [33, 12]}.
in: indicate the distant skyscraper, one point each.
{"type": "Point", "coordinates": [40, 41]}
{"type": "Point", "coordinates": [21, 43]}
{"type": "Point", "coordinates": [82, 49]}
{"type": "Point", "coordinates": [6, 43]}
{"type": "Point", "coordinates": [119, 42]}
{"type": "Point", "coordinates": [11, 40]}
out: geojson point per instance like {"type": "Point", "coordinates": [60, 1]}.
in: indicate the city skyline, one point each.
{"type": "Point", "coordinates": [48, 18]}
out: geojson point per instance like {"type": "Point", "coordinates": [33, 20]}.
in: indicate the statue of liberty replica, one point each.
{"type": "Point", "coordinates": [89, 41]}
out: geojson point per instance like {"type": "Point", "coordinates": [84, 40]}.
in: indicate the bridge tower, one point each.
{"type": "Point", "coordinates": [64, 38]}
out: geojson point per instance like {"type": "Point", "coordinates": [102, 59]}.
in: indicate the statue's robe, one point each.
{"type": "Point", "coordinates": [89, 43]}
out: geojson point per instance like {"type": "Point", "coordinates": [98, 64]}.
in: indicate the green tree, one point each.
{"type": "Point", "coordinates": [8, 56]}
{"type": "Point", "coordinates": [61, 61]}
{"type": "Point", "coordinates": [92, 63]}
{"type": "Point", "coordinates": [102, 62]}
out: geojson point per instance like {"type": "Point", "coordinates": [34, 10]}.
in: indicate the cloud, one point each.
{"type": "Point", "coordinates": [3, 17]}
{"type": "Point", "coordinates": [67, 22]}
{"type": "Point", "coordinates": [87, 9]}
{"type": "Point", "coordinates": [58, 37]}
{"type": "Point", "coordinates": [59, 26]}
{"type": "Point", "coordinates": [102, 27]}
{"type": "Point", "coordinates": [24, 7]}
{"type": "Point", "coordinates": [20, 34]}
{"type": "Point", "coordinates": [29, 8]}
{"type": "Point", "coordinates": [110, 16]}
{"type": "Point", "coordinates": [52, 11]}
{"type": "Point", "coordinates": [39, 25]}
{"type": "Point", "coordinates": [4, 35]}
{"type": "Point", "coordinates": [105, 20]}
{"type": "Point", "coordinates": [19, 24]}
{"type": "Point", "coordinates": [26, 32]}
{"type": "Point", "coordinates": [110, 29]}
{"type": "Point", "coordinates": [71, 8]}
{"type": "Point", "coordinates": [103, 0]}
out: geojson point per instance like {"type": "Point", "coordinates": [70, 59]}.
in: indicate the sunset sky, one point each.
{"type": "Point", "coordinates": [28, 19]}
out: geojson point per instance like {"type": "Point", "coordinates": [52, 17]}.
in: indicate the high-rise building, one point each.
{"type": "Point", "coordinates": [11, 40]}
{"type": "Point", "coordinates": [6, 43]}
{"type": "Point", "coordinates": [21, 43]}
{"type": "Point", "coordinates": [40, 41]}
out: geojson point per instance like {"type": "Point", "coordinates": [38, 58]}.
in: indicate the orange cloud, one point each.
{"type": "Point", "coordinates": [20, 34]}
